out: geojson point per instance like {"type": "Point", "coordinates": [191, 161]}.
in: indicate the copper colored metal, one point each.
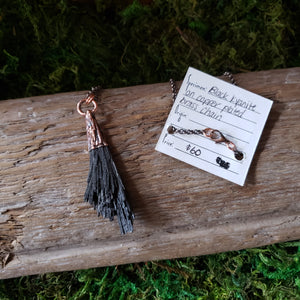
{"type": "Point", "coordinates": [213, 134]}
{"type": "Point", "coordinates": [87, 100]}
{"type": "Point", "coordinates": [90, 98]}
{"type": "Point", "coordinates": [218, 137]}
{"type": "Point", "coordinates": [93, 132]}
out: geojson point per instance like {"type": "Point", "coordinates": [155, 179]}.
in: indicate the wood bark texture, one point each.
{"type": "Point", "coordinates": [180, 211]}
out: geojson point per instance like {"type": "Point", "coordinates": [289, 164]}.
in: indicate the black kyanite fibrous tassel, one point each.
{"type": "Point", "coordinates": [105, 190]}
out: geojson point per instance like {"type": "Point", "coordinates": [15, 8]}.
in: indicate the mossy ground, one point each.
{"type": "Point", "coordinates": [266, 273]}
{"type": "Point", "coordinates": [52, 46]}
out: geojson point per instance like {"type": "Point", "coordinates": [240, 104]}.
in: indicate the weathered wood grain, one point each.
{"type": "Point", "coordinates": [180, 210]}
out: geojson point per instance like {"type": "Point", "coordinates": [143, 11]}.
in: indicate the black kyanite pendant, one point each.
{"type": "Point", "coordinates": [105, 190]}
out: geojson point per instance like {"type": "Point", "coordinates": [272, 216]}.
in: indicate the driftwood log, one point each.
{"type": "Point", "coordinates": [180, 211]}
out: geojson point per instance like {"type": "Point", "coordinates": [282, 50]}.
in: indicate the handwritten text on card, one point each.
{"type": "Point", "coordinates": [204, 101]}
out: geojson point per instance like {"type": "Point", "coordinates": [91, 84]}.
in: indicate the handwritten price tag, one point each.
{"type": "Point", "coordinates": [204, 101]}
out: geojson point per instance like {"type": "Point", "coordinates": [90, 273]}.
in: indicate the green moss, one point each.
{"type": "Point", "coordinates": [53, 46]}
{"type": "Point", "coordinates": [270, 272]}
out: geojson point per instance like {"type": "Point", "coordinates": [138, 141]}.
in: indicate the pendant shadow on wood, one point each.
{"type": "Point", "coordinates": [275, 113]}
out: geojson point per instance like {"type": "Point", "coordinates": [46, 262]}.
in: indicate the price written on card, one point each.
{"type": "Point", "coordinates": [193, 150]}
{"type": "Point", "coordinates": [204, 101]}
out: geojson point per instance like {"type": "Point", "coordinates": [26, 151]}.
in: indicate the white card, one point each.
{"type": "Point", "coordinates": [204, 101]}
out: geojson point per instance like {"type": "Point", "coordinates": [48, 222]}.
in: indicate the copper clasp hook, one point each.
{"type": "Point", "coordinates": [214, 135]}
{"type": "Point", "coordinates": [218, 137]}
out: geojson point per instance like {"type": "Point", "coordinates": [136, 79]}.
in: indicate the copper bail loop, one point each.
{"type": "Point", "coordinates": [88, 100]}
